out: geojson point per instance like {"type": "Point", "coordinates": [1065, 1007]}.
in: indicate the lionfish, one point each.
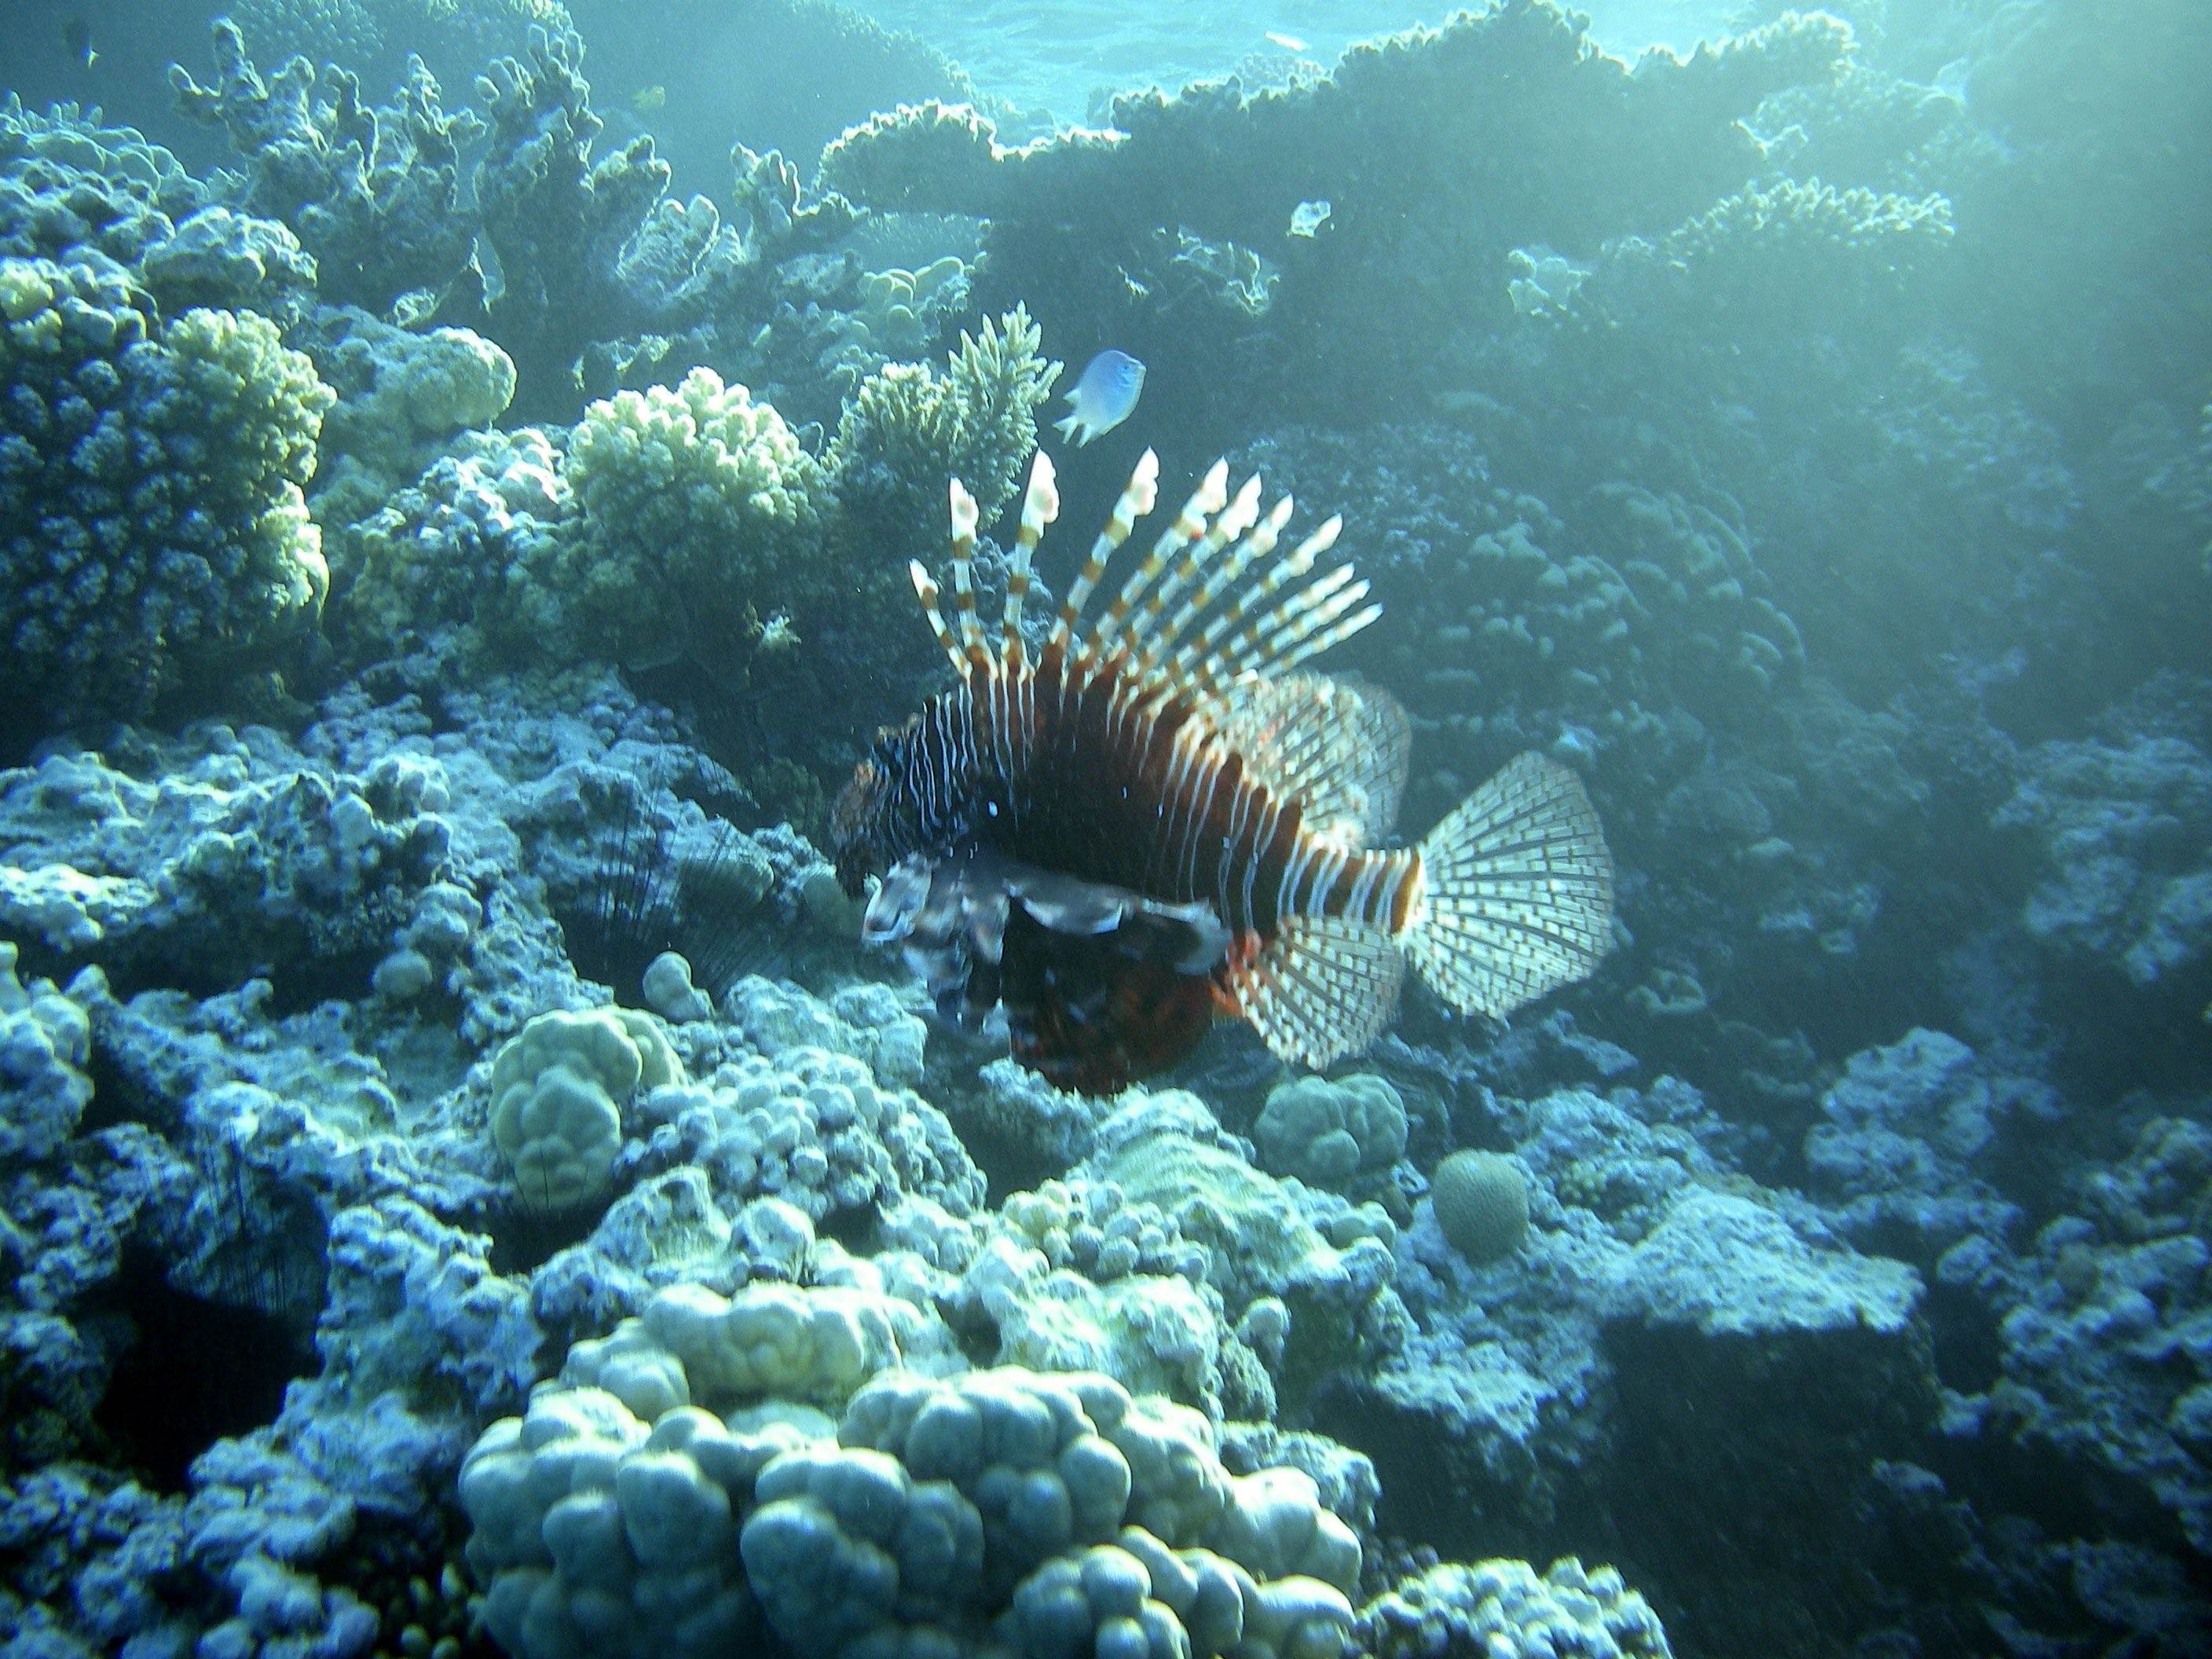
{"type": "Point", "coordinates": [1156, 820]}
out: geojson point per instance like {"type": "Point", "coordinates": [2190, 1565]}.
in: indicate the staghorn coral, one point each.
{"type": "Point", "coordinates": [150, 482]}
{"type": "Point", "coordinates": [561, 223]}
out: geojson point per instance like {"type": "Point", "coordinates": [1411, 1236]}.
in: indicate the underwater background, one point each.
{"type": "Point", "coordinates": [464, 1190]}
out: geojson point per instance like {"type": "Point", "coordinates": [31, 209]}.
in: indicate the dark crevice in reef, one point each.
{"type": "Point", "coordinates": [525, 1237]}
{"type": "Point", "coordinates": [196, 1371]}
{"type": "Point", "coordinates": [1968, 1346]}
{"type": "Point", "coordinates": [311, 978]}
{"type": "Point", "coordinates": [855, 1226]}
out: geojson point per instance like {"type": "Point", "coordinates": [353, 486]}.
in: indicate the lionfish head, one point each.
{"type": "Point", "coordinates": [855, 840]}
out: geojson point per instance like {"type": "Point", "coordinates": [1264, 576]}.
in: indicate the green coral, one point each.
{"type": "Point", "coordinates": [1328, 1132]}
{"type": "Point", "coordinates": [701, 518]}
{"type": "Point", "coordinates": [151, 489]}
{"type": "Point", "coordinates": [910, 428]}
{"type": "Point", "coordinates": [1481, 1202]}
{"type": "Point", "coordinates": [402, 395]}
{"type": "Point", "coordinates": [558, 1087]}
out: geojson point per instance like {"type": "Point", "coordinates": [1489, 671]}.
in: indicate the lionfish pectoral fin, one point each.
{"type": "Point", "coordinates": [1189, 938]}
{"type": "Point", "coordinates": [1322, 988]}
{"type": "Point", "coordinates": [1085, 1014]}
{"type": "Point", "coordinates": [1335, 743]}
{"type": "Point", "coordinates": [948, 917]}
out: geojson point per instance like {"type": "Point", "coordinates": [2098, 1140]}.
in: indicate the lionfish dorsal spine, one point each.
{"type": "Point", "coordinates": [1232, 521]}
{"type": "Point", "coordinates": [925, 589]}
{"type": "Point", "coordinates": [965, 526]}
{"type": "Point", "coordinates": [1136, 500]}
{"type": "Point", "coordinates": [1183, 533]}
{"type": "Point", "coordinates": [1255, 536]}
{"type": "Point", "coordinates": [1196, 661]}
{"type": "Point", "coordinates": [1040, 507]}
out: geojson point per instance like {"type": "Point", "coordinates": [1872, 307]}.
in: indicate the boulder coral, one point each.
{"type": "Point", "coordinates": [557, 1089]}
{"type": "Point", "coordinates": [1481, 1202]}
{"type": "Point", "coordinates": [1328, 1132]}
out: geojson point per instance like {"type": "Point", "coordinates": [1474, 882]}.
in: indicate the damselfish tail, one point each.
{"type": "Point", "coordinates": [1518, 894]}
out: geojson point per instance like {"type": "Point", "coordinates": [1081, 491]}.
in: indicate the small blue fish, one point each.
{"type": "Point", "coordinates": [1102, 397]}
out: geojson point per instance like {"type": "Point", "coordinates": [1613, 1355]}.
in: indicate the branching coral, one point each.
{"type": "Point", "coordinates": [701, 520]}
{"type": "Point", "coordinates": [373, 193]}
{"type": "Point", "coordinates": [909, 427]}
{"type": "Point", "coordinates": [557, 221]}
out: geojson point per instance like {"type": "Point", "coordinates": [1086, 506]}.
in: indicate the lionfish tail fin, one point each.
{"type": "Point", "coordinates": [1321, 988]}
{"type": "Point", "coordinates": [1518, 894]}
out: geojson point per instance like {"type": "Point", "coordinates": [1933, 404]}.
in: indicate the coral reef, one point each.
{"type": "Point", "coordinates": [1481, 1203]}
{"type": "Point", "coordinates": [463, 1190]}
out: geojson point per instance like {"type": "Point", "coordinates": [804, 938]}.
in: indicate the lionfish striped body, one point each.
{"type": "Point", "coordinates": [1156, 821]}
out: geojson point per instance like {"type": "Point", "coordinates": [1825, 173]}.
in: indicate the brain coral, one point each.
{"type": "Point", "coordinates": [1482, 1205]}
{"type": "Point", "coordinates": [152, 522]}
